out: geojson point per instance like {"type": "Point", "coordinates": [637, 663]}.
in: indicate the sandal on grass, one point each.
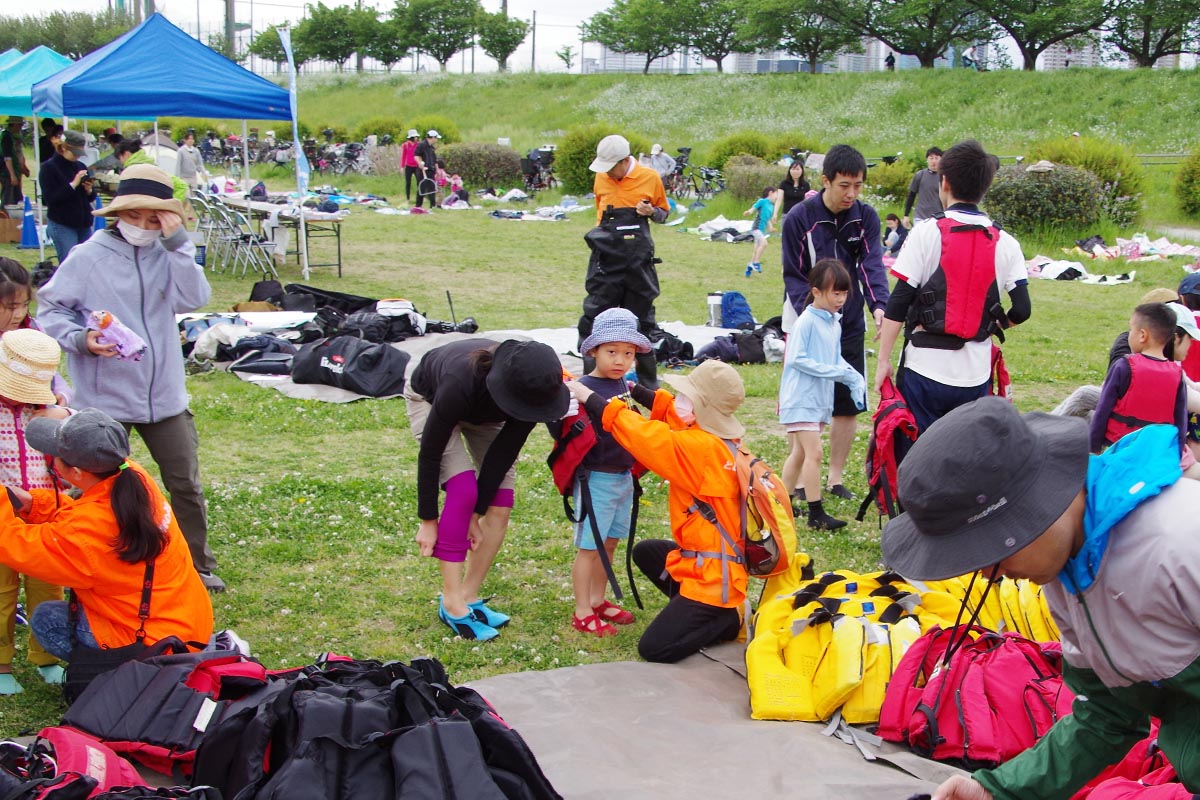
{"type": "Point", "coordinates": [594, 625]}
{"type": "Point", "coordinates": [611, 612]}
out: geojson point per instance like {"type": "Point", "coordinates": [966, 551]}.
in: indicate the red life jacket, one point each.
{"type": "Point", "coordinates": [961, 301]}
{"type": "Point", "coordinates": [1150, 398]}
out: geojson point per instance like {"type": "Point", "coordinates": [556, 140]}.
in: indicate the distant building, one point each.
{"type": "Point", "coordinates": [1064, 56]}
{"type": "Point", "coordinates": [609, 61]}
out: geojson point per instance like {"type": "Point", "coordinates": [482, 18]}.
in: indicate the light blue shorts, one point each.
{"type": "Point", "coordinates": [612, 503]}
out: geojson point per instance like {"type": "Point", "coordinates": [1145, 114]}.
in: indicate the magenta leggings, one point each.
{"type": "Point", "coordinates": [462, 492]}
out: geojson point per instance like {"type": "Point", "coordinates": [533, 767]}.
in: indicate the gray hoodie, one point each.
{"type": "Point", "coordinates": [144, 287]}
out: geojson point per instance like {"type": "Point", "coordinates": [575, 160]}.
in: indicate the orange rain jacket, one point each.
{"type": "Point", "coordinates": [73, 545]}
{"type": "Point", "coordinates": [698, 465]}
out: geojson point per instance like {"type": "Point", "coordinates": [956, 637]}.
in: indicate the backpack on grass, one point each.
{"type": "Point", "coordinates": [735, 311]}
{"type": "Point", "coordinates": [894, 431]}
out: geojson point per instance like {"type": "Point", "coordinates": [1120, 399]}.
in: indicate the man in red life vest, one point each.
{"type": "Point", "coordinates": [947, 296]}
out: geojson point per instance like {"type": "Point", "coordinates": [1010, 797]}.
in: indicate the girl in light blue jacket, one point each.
{"type": "Point", "coordinates": [812, 363]}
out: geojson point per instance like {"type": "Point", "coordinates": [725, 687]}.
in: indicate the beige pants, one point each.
{"type": "Point", "coordinates": [467, 446]}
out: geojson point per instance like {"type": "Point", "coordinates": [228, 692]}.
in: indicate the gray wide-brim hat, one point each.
{"type": "Point", "coordinates": [88, 439]}
{"type": "Point", "coordinates": [980, 484]}
{"type": "Point", "coordinates": [615, 325]}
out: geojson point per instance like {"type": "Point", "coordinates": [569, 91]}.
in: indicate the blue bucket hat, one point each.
{"type": "Point", "coordinates": [615, 325]}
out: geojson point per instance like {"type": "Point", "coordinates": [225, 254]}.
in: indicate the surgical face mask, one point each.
{"type": "Point", "coordinates": [138, 237]}
{"type": "Point", "coordinates": [685, 409]}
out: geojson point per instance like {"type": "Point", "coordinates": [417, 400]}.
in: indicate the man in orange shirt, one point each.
{"type": "Point", "coordinates": [621, 271]}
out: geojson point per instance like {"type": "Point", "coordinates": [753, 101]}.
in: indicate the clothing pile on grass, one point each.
{"type": "Point", "coordinates": [337, 728]}
{"type": "Point", "coordinates": [958, 674]}
{"type": "Point", "coordinates": [720, 229]}
{"type": "Point", "coordinates": [330, 338]}
{"type": "Point", "coordinates": [1094, 249]}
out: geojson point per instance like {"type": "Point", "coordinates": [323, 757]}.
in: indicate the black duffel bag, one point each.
{"type": "Point", "coordinates": [351, 363]}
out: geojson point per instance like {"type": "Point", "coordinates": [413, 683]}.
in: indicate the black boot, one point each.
{"type": "Point", "coordinates": [797, 508]}
{"type": "Point", "coordinates": [647, 370]}
{"type": "Point", "coordinates": [819, 520]}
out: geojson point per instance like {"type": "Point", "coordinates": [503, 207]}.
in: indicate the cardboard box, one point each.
{"type": "Point", "coordinates": [10, 231]}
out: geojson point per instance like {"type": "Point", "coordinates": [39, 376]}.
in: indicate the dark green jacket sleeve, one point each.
{"type": "Point", "coordinates": [1099, 732]}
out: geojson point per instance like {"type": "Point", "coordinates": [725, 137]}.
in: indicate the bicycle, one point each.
{"type": "Point", "coordinates": [709, 184]}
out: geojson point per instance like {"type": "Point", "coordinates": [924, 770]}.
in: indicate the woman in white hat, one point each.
{"type": "Point", "coordinates": [142, 269]}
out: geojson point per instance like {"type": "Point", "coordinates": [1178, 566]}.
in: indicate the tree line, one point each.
{"type": "Point", "coordinates": [815, 30]}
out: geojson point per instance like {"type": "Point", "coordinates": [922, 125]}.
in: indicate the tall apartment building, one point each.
{"type": "Point", "coordinates": [1064, 56]}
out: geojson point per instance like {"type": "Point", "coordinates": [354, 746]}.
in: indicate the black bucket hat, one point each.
{"type": "Point", "coordinates": [526, 381]}
{"type": "Point", "coordinates": [982, 483]}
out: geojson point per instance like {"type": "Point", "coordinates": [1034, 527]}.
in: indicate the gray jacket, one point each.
{"type": "Point", "coordinates": [144, 287]}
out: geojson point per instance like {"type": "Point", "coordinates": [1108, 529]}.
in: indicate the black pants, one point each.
{"type": "Point", "coordinates": [432, 197]}
{"type": "Point", "coordinates": [685, 625]}
{"type": "Point", "coordinates": [621, 274]}
{"type": "Point", "coordinates": [410, 174]}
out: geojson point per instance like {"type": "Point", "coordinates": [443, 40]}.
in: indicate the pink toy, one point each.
{"type": "Point", "coordinates": [130, 346]}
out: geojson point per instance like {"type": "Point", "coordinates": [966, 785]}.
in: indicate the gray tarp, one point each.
{"type": "Point", "coordinates": [634, 730]}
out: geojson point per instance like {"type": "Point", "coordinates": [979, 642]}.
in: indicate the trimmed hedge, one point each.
{"type": "Point", "coordinates": [435, 122]}
{"type": "Point", "coordinates": [889, 182]}
{"type": "Point", "coordinates": [1024, 201]}
{"type": "Point", "coordinates": [482, 165]}
{"type": "Point", "coordinates": [577, 150]}
{"type": "Point", "coordinates": [742, 143]}
{"type": "Point", "coordinates": [1187, 185]}
{"type": "Point", "coordinates": [1121, 177]}
{"type": "Point", "coordinates": [381, 125]}
{"type": "Point", "coordinates": [747, 176]}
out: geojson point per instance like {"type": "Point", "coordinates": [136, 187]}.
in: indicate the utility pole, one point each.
{"type": "Point", "coordinates": [230, 18]}
{"type": "Point", "coordinates": [504, 63]}
{"type": "Point", "coordinates": [358, 56]}
{"type": "Point", "coordinates": [533, 45]}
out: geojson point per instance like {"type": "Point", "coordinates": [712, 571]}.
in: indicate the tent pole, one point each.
{"type": "Point", "coordinates": [37, 191]}
{"type": "Point", "coordinates": [156, 141]}
{"type": "Point", "coordinates": [245, 159]}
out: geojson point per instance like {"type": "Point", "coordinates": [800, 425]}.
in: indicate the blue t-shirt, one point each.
{"type": "Point", "coordinates": [766, 209]}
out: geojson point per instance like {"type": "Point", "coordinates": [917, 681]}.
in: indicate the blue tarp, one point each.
{"type": "Point", "coordinates": [157, 70]}
{"type": "Point", "coordinates": [19, 77]}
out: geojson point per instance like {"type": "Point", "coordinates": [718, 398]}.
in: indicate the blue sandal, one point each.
{"type": "Point", "coordinates": [488, 616]}
{"type": "Point", "coordinates": [468, 627]}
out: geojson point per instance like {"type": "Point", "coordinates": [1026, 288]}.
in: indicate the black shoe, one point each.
{"type": "Point", "coordinates": [838, 490]}
{"type": "Point", "coordinates": [823, 522]}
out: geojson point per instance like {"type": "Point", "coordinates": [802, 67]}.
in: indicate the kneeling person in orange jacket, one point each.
{"type": "Point", "coordinates": [682, 442]}
{"type": "Point", "coordinates": [100, 544]}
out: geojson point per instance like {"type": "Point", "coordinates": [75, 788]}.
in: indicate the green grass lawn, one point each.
{"type": "Point", "coordinates": [312, 505]}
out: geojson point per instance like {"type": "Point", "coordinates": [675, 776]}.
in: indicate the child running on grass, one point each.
{"type": "Point", "coordinates": [607, 471]}
{"type": "Point", "coordinates": [764, 222]}
{"type": "Point", "coordinates": [812, 363]}
{"type": "Point", "coordinates": [28, 363]}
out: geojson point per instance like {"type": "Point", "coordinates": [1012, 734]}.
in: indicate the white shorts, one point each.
{"type": "Point", "coordinates": [759, 236]}
{"type": "Point", "coordinates": [797, 427]}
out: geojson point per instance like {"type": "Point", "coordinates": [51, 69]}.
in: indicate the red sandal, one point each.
{"type": "Point", "coordinates": [594, 625]}
{"type": "Point", "coordinates": [611, 612]}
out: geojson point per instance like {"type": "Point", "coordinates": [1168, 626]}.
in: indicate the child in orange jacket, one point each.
{"type": "Point", "coordinates": [683, 441]}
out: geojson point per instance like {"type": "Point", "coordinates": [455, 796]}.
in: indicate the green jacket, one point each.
{"type": "Point", "coordinates": [182, 190]}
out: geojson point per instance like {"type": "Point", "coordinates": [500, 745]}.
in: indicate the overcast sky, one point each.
{"type": "Point", "coordinates": [557, 21]}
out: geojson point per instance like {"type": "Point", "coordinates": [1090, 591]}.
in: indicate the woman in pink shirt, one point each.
{"type": "Point", "coordinates": [409, 162]}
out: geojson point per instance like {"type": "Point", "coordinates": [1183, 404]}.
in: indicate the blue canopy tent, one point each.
{"type": "Point", "coordinates": [19, 76]}
{"type": "Point", "coordinates": [8, 56]}
{"type": "Point", "coordinates": [157, 70]}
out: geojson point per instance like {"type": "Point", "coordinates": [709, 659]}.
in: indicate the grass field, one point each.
{"type": "Point", "coordinates": [312, 505]}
